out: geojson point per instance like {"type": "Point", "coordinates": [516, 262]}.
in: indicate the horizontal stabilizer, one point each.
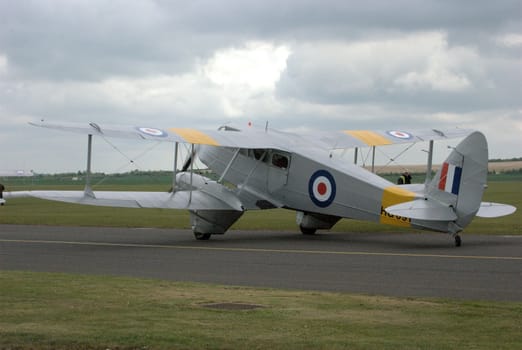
{"type": "Point", "coordinates": [421, 209]}
{"type": "Point", "coordinates": [194, 200]}
{"type": "Point", "coordinates": [494, 210]}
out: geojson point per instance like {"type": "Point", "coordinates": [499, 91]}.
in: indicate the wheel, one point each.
{"type": "Point", "coordinates": [202, 236]}
{"type": "Point", "coordinates": [307, 231]}
{"type": "Point", "coordinates": [458, 241]}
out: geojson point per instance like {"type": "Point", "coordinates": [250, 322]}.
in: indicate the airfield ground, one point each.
{"type": "Point", "coordinates": [61, 311]}
{"type": "Point", "coordinates": [71, 311]}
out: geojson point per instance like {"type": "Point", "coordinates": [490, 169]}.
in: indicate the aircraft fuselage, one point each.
{"type": "Point", "coordinates": [316, 183]}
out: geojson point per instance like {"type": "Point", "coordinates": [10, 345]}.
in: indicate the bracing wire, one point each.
{"type": "Point", "coordinates": [393, 159]}
{"type": "Point", "coordinates": [131, 161]}
{"type": "Point", "coordinates": [365, 157]}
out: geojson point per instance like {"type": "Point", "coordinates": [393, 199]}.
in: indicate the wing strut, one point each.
{"type": "Point", "coordinates": [259, 161]}
{"type": "Point", "coordinates": [175, 171]}
{"type": "Point", "coordinates": [191, 170]}
{"type": "Point", "coordinates": [430, 163]}
{"type": "Point", "coordinates": [229, 165]}
{"type": "Point", "coordinates": [88, 189]}
{"type": "Point", "coordinates": [373, 159]}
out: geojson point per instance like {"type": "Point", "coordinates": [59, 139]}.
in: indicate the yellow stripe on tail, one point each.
{"type": "Point", "coordinates": [395, 195]}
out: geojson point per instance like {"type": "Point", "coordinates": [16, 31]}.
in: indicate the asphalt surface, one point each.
{"type": "Point", "coordinates": [408, 265]}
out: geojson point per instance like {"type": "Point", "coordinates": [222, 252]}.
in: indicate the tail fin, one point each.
{"type": "Point", "coordinates": [453, 197]}
{"type": "Point", "coordinates": [461, 181]}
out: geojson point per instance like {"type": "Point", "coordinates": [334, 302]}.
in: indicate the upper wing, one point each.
{"type": "Point", "coordinates": [259, 138]}
{"type": "Point", "coordinates": [250, 138]}
{"type": "Point", "coordinates": [364, 138]}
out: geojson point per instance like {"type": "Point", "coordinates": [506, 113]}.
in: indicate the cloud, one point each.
{"type": "Point", "coordinates": [298, 64]}
{"type": "Point", "coordinates": [510, 40]}
{"type": "Point", "coordinates": [246, 73]}
{"type": "Point", "coordinates": [439, 67]}
{"type": "Point", "coordinates": [390, 68]}
{"type": "Point", "coordinates": [3, 64]}
{"type": "Point", "coordinates": [257, 66]}
{"type": "Point", "coordinates": [228, 84]}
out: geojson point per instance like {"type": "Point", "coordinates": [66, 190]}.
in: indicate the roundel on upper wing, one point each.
{"type": "Point", "coordinates": [321, 188]}
{"type": "Point", "coordinates": [399, 134]}
{"type": "Point", "coordinates": [152, 131]}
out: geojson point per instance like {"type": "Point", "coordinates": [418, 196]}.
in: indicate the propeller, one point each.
{"type": "Point", "coordinates": [189, 160]}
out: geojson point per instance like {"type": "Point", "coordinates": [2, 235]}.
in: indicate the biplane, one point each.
{"type": "Point", "coordinates": [263, 168]}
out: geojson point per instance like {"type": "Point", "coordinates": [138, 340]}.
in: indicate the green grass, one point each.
{"type": "Point", "coordinates": [60, 311]}
{"type": "Point", "coordinates": [501, 192]}
{"type": "Point", "coordinates": [39, 212]}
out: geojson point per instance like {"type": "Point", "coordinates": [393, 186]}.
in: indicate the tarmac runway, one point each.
{"type": "Point", "coordinates": [407, 265]}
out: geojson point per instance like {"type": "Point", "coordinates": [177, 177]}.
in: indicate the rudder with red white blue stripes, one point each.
{"type": "Point", "coordinates": [459, 183]}
{"type": "Point", "coordinates": [450, 177]}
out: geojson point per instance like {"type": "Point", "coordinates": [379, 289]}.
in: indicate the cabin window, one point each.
{"type": "Point", "coordinates": [260, 153]}
{"type": "Point", "coordinates": [280, 160]}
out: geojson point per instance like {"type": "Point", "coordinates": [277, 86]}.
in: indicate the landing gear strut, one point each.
{"type": "Point", "coordinates": [458, 241]}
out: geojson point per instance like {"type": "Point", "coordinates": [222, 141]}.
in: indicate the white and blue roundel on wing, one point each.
{"type": "Point", "coordinates": [152, 131]}
{"type": "Point", "coordinates": [399, 134]}
{"type": "Point", "coordinates": [322, 188]}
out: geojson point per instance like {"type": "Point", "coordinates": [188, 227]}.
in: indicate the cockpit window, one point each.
{"type": "Point", "coordinates": [260, 154]}
{"type": "Point", "coordinates": [280, 161]}
{"type": "Point", "coordinates": [277, 159]}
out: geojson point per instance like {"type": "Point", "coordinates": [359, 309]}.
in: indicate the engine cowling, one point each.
{"type": "Point", "coordinates": [210, 222]}
{"type": "Point", "coordinates": [310, 222]}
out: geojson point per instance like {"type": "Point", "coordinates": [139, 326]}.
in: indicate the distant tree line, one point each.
{"type": "Point", "coordinates": [505, 160]}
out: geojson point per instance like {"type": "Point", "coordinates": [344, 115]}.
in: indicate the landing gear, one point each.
{"type": "Point", "coordinates": [212, 222]}
{"type": "Point", "coordinates": [458, 241]}
{"type": "Point", "coordinates": [307, 231]}
{"type": "Point", "coordinates": [202, 236]}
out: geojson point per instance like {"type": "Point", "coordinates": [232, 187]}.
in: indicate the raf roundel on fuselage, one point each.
{"type": "Point", "coordinates": [322, 188]}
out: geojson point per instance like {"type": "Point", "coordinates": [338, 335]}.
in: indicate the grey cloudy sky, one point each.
{"type": "Point", "coordinates": [301, 65]}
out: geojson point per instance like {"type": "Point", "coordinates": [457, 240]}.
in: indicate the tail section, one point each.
{"type": "Point", "coordinates": [461, 181]}
{"type": "Point", "coordinates": [454, 196]}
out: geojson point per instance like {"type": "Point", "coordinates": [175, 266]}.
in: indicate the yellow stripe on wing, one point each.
{"type": "Point", "coordinates": [371, 138]}
{"type": "Point", "coordinates": [195, 136]}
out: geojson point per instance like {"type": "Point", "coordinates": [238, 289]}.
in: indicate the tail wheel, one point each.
{"type": "Point", "coordinates": [307, 231]}
{"type": "Point", "coordinates": [202, 236]}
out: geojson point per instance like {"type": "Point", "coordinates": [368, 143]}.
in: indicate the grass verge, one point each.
{"type": "Point", "coordinates": [39, 212]}
{"type": "Point", "coordinates": [61, 311]}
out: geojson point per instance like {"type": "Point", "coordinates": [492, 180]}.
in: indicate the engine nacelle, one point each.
{"type": "Point", "coordinates": [310, 222]}
{"type": "Point", "coordinates": [185, 181]}
{"type": "Point", "coordinates": [210, 222]}
{"type": "Point", "coordinates": [213, 222]}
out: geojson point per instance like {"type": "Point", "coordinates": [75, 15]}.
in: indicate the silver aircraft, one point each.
{"type": "Point", "coordinates": [266, 168]}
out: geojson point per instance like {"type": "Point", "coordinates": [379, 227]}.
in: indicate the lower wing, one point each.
{"type": "Point", "coordinates": [192, 200]}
